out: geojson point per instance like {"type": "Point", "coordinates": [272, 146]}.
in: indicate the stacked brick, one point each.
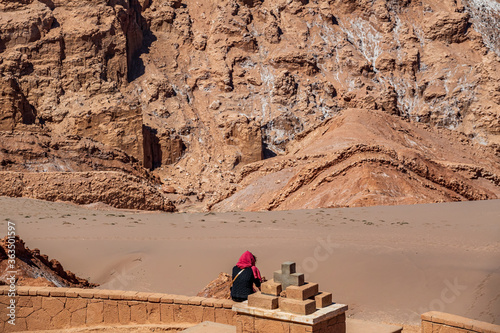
{"type": "Point", "coordinates": [289, 292]}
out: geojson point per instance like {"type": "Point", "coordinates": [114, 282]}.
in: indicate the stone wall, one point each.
{"type": "Point", "coordinates": [250, 324]}
{"type": "Point", "coordinates": [43, 308]}
{"type": "Point", "coordinates": [439, 322]}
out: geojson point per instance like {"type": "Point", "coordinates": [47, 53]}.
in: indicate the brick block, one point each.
{"type": "Point", "coordinates": [155, 298]}
{"type": "Point", "coordinates": [167, 313]}
{"type": "Point", "coordinates": [43, 291]}
{"type": "Point", "coordinates": [141, 296]}
{"type": "Point", "coordinates": [195, 300]}
{"type": "Point", "coordinates": [297, 307]}
{"type": "Point", "coordinates": [53, 305]}
{"type": "Point", "coordinates": [271, 288]}
{"type": "Point", "coordinates": [23, 290]}
{"type": "Point", "coordinates": [169, 299]}
{"type": "Point", "coordinates": [270, 325]}
{"type": "Point", "coordinates": [154, 313]}
{"type": "Point", "coordinates": [95, 313]}
{"type": "Point", "coordinates": [85, 293]}
{"type": "Point", "coordinates": [426, 326]}
{"type": "Point", "coordinates": [129, 295]}
{"type": "Point", "coordinates": [110, 312]}
{"type": "Point", "coordinates": [115, 295]}
{"type": "Point", "coordinates": [259, 300]}
{"type": "Point", "coordinates": [72, 292]}
{"type": "Point", "coordinates": [323, 299]}
{"type": "Point", "coordinates": [179, 299]}
{"type": "Point", "coordinates": [227, 303]}
{"type": "Point", "coordinates": [218, 303]}
{"type": "Point", "coordinates": [302, 292]}
{"type": "Point", "coordinates": [208, 302]}
{"type": "Point", "coordinates": [208, 314]}
{"type": "Point", "coordinates": [99, 294]}
{"type": "Point", "coordinates": [245, 323]}
{"type": "Point", "coordinates": [58, 292]}
{"type": "Point", "coordinates": [225, 316]}
{"type": "Point", "coordinates": [138, 312]}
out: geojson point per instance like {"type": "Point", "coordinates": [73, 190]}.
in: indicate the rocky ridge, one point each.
{"type": "Point", "coordinates": [35, 269]}
{"type": "Point", "coordinates": [201, 93]}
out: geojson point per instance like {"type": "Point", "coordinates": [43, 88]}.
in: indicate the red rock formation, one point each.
{"type": "Point", "coordinates": [35, 269]}
{"type": "Point", "coordinates": [333, 166]}
{"type": "Point", "coordinates": [198, 90]}
{"type": "Point", "coordinates": [218, 288]}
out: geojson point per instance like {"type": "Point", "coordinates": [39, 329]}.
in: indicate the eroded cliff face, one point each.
{"type": "Point", "coordinates": [196, 91]}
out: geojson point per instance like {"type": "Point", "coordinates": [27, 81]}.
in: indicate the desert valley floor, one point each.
{"type": "Point", "coordinates": [388, 263]}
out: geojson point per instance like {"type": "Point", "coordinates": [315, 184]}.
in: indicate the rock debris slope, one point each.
{"type": "Point", "coordinates": [209, 96]}
{"type": "Point", "coordinates": [35, 269]}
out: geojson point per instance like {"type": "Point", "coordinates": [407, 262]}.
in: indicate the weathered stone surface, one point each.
{"type": "Point", "coordinates": [110, 312]}
{"type": "Point", "coordinates": [167, 313]}
{"type": "Point", "coordinates": [323, 299]}
{"type": "Point", "coordinates": [62, 319]}
{"type": "Point", "coordinates": [124, 313]}
{"type": "Point", "coordinates": [38, 320]}
{"type": "Point", "coordinates": [271, 288]}
{"type": "Point", "coordinates": [298, 307]}
{"type": "Point", "coordinates": [138, 312]}
{"type": "Point", "coordinates": [260, 300]}
{"type": "Point", "coordinates": [154, 313]}
{"type": "Point", "coordinates": [114, 73]}
{"type": "Point", "coordinates": [303, 292]}
{"type": "Point", "coordinates": [95, 312]}
{"type": "Point", "coordinates": [78, 317]}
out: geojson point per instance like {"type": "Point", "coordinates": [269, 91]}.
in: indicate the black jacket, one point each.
{"type": "Point", "coordinates": [243, 285]}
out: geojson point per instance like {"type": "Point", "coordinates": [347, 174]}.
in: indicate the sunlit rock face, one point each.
{"type": "Point", "coordinates": [196, 91]}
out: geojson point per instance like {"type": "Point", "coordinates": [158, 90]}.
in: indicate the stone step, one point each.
{"type": "Point", "coordinates": [303, 292]}
{"type": "Point", "coordinates": [210, 327]}
{"type": "Point", "coordinates": [262, 301]}
{"type": "Point", "coordinates": [361, 326]}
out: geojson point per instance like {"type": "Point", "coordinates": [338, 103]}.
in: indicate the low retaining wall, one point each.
{"type": "Point", "coordinates": [439, 322]}
{"type": "Point", "coordinates": [44, 308]}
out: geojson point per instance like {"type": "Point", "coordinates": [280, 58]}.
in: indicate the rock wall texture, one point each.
{"type": "Point", "coordinates": [199, 91]}
{"type": "Point", "coordinates": [35, 269]}
{"type": "Point", "coordinates": [113, 188]}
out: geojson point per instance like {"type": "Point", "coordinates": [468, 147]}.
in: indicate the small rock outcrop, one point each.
{"type": "Point", "coordinates": [35, 269]}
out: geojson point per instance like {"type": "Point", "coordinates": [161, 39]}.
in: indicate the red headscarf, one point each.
{"type": "Point", "coordinates": [248, 260]}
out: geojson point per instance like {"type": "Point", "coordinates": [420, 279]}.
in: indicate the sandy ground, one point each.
{"type": "Point", "coordinates": [389, 264]}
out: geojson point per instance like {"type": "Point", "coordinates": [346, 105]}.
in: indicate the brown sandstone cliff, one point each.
{"type": "Point", "coordinates": [201, 92]}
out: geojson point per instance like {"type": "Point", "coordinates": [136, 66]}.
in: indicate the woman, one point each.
{"type": "Point", "coordinates": [245, 275]}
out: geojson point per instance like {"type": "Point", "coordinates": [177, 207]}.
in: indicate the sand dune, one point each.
{"type": "Point", "coordinates": [388, 263]}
